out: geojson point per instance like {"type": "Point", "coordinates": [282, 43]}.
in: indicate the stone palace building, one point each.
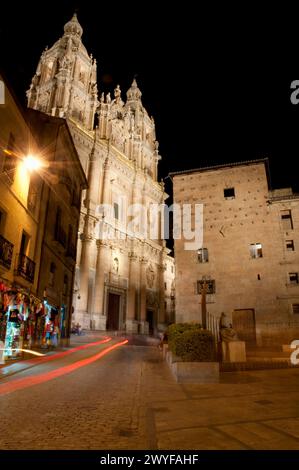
{"type": "Point", "coordinates": [249, 257]}
{"type": "Point", "coordinates": [123, 280]}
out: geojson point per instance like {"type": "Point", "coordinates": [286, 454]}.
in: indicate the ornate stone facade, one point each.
{"type": "Point", "coordinates": [120, 275]}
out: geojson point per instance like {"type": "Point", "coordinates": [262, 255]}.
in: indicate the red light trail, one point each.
{"type": "Point", "coordinates": [42, 359]}
{"type": "Point", "coordinates": [19, 384]}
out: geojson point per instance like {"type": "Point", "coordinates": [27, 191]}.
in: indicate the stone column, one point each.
{"type": "Point", "coordinates": [98, 316]}
{"type": "Point", "coordinates": [161, 312]}
{"type": "Point", "coordinates": [142, 312]}
{"type": "Point", "coordinates": [87, 244]}
{"type": "Point", "coordinates": [131, 320]}
{"type": "Point", "coordinates": [82, 315]}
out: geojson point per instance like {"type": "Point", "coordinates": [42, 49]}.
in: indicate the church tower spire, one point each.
{"type": "Point", "coordinates": [65, 82]}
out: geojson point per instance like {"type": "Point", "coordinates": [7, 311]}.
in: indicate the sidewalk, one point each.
{"type": "Point", "coordinates": [246, 410]}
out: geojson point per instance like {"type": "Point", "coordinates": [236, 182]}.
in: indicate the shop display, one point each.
{"type": "Point", "coordinates": [19, 313]}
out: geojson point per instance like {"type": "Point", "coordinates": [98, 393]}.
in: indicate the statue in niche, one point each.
{"type": "Point", "coordinates": [65, 63]}
{"type": "Point", "coordinates": [150, 276]}
{"type": "Point", "coordinates": [115, 265]}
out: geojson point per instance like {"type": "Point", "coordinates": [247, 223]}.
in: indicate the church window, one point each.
{"type": "Point", "coordinates": [116, 210]}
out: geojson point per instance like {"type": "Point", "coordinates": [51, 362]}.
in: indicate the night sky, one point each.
{"type": "Point", "coordinates": [217, 82]}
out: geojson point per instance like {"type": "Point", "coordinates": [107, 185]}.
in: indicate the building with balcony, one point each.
{"type": "Point", "coordinates": [249, 259]}
{"type": "Point", "coordinates": [31, 197]}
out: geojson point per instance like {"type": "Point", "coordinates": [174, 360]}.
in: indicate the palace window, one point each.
{"type": "Point", "coordinates": [203, 255]}
{"type": "Point", "coordinates": [293, 278]}
{"type": "Point", "coordinates": [290, 245]}
{"type": "Point", "coordinates": [295, 309]}
{"type": "Point", "coordinates": [229, 193]}
{"type": "Point", "coordinates": [286, 219]}
{"type": "Point", "coordinates": [256, 250]}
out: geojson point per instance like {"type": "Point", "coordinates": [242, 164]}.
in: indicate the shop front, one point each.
{"type": "Point", "coordinates": [26, 322]}
{"type": "Point", "coordinates": [18, 313]}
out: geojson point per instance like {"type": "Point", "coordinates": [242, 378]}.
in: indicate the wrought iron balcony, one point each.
{"type": "Point", "coordinates": [6, 249]}
{"type": "Point", "coordinates": [26, 267]}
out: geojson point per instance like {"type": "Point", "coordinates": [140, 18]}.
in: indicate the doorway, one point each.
{"type": "Point", "coordinates": [244, 324]}
{"type": "Point", "coordinates": [150, 320]}
{"type": "Point", "coordinates": [113, 311]}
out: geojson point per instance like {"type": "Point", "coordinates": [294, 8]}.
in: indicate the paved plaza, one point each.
{"type": "Point", "coordinates": [128, 399]}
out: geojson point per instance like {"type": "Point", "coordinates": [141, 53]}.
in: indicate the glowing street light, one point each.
{"type": "Point", "coordinates": [32, 163]}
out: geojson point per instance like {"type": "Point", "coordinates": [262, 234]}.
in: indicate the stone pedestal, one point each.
{"type": "Point", "coordinates": [143, 328]}
{"type": "Point", "coordinates": [132, 326]}
{"type": "Point", "coordinates": [99, 322]}
{"type": "Point", "coordinates": [196, 372]}
{"type": "Point", "coordinates": [233, 351]}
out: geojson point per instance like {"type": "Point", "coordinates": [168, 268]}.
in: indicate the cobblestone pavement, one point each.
{"type": "Point", "coordinates": [129, 400]}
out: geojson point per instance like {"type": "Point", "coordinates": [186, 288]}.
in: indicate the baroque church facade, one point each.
{"type": "Point", "coordinates": [123, 281]}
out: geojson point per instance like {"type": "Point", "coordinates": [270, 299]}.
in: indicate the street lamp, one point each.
{"type": "Point", "coordinates": [33, 163]}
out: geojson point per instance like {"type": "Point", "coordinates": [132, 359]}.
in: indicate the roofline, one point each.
{"type": "Point", "coordinates": [264, 160]}
{"type": "Point", "coordinates": [63, 123]}
{"type": "Point", "coordinates": [219, 166]}
{"type": "Point", "coordinates": [21, 106]}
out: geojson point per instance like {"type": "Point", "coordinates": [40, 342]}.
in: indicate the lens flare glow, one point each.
{"type": "Point", "coordinates": [32, 163]}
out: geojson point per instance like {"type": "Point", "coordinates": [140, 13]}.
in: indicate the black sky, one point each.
{"type": "Point", "coordinates": [217, 81]}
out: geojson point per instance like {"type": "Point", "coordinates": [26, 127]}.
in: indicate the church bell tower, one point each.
{"type": "Point", "coordinates": [65, 82]}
